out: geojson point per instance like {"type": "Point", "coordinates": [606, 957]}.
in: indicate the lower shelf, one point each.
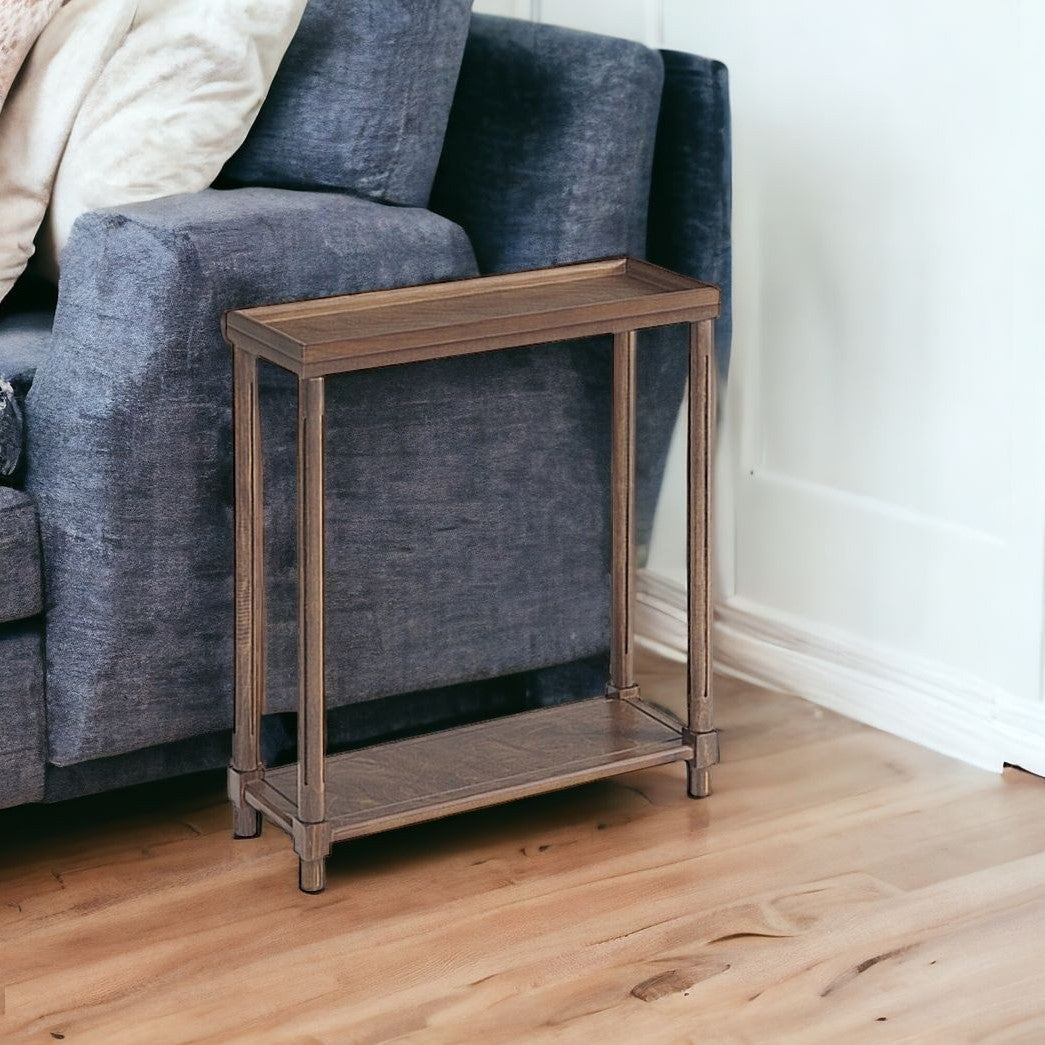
{"type": "Point", "coordinates": [408, 781]}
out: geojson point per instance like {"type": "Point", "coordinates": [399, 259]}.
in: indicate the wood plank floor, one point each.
{"type": "Point", "coordinates": [839, 886]}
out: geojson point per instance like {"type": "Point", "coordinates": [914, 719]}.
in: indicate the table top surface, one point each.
{"type": "Point", "coordinates": [414, 324]}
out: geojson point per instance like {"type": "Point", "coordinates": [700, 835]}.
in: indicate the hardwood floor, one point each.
{"type": "Point", "coordinates": [840, 886]}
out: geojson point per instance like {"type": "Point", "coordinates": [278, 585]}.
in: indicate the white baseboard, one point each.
{"type": "Point", "coordinates": [922, 702]}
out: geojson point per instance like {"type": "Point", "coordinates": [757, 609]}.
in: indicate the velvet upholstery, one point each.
{"type": "Point", "coordinates": [550, 144]}
{"type": "Point", "coordinates": [468, 499]}
{"type": "Point", "coordinates": [361, 100]}
{"type": "Point", "coordinates": [444, 494]}
{"type": "Point", "coordinates": [457, 477]}
{"type": "Point", "coordinates": [689, 232]}
{"type": "Point", "coordinates": [691, 200]}
{"type": "Point", "coordinates": [12, 429]}
{"type": "Point", "coordinates": [130, 456]}
{"type": "Point", "coordinates": [20, 592]}
{"type": "Point", "coordinates": [355, 725]}
{"type": "Point", "coordinates": [24, 336]}
{"type": "Point", "coordinates": [22, 750]}
{"type": "Point", "coordinates": [547, 161]}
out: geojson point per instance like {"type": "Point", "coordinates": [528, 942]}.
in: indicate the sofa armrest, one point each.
{"type": "Point", "coordinates": [129, 438]}
{"type": "Point", "coordinates": [550, 143]}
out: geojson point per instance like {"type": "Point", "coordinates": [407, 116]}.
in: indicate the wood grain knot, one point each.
{"type": "Point", "coordinates": [676, 981]}
{"type": "Point", "coordinates": [861, 967]}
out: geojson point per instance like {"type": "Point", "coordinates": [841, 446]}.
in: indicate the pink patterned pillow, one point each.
{"type": "Point", "coordinates": [20, 24]}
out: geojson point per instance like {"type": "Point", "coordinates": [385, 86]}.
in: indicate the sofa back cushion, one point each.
{"type": "Point", "coordinates": [21, 594]}
{"type": "Point", "coordinates": [361, 101]}
{"type": "Point", "coordinates": [550, 145]}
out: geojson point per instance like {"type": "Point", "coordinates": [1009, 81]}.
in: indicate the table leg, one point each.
{"type": "Point", "coordinates": [311, 834]}
{"type": "Point", "coordinates": [700, 732]}
{"type": "Point", "coordinates": [249, 661]}
{"type": "Point", "coordinates": [622, 516]}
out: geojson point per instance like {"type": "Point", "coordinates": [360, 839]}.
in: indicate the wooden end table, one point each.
{"type": "Point", "coordinates": [320, 799]}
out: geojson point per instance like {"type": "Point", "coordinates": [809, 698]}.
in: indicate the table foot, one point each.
{"type": "Point", "coordinates": [246, 822]}
{"type": "Point", "coordinates": [698, 781]}
{"type": "Point", "coordinates": [312, 875]}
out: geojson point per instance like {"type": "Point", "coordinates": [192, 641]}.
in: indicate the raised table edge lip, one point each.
{"type": "Point", "coordinates": [680, 300]}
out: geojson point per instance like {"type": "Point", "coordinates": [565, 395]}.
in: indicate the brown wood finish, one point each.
{"type": "Point", "coordinates": [622, 515]}
{"type": "Point", "coordinates": [560, 746]}
{"type": "Point", "coordinates": [409, 325]}
{"type": "Point", "coordinates": [891, 895]}
{"type": "Point", "coordinates": [701, 425]}
{"type": "Point", "coordinates": [424, 778]}
{"type": "Point", "coordinates": [250, 591]}
{"type": "Point", "coordinates": [310, 775]}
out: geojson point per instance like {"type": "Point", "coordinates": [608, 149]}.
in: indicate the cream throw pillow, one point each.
{"type": "Point", "coordinates": [129, 100]}
{"type": "Point", "coordinates": [21, 22]}
{"type": "Point", "coordinates": [38, 115]}
{"type": "Point", "coordinates": [172, 104]}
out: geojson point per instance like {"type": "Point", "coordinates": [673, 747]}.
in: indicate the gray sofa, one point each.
{"type": "Point", "coordinates": [467, 499]}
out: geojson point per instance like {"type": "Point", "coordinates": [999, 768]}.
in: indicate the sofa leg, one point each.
{"type": "Point", "coordinates": [246, 822]}
{"type": "Point", "coordinates": [312, 875]}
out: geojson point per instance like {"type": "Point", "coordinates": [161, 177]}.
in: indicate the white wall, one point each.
{"type": "Point", "coordinates": [882, 468]}
{"type": "Point", "coordinates": [635, 19]}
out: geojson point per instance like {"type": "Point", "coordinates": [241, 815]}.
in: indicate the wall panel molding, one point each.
{"type": "Point", "coordinates": [922, 702]}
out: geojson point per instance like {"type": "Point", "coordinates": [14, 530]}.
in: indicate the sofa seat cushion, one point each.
{"type": "Point", "coordinates": [12, 429]}
{"type": "Point", "coordinates": [24, 337]}
{"type": "Point", "coordinates": [20, 591]}
{"type": "Point", "coordinates": [22, 732]}
{"type": "Point", "coordinates": [361, 101]}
